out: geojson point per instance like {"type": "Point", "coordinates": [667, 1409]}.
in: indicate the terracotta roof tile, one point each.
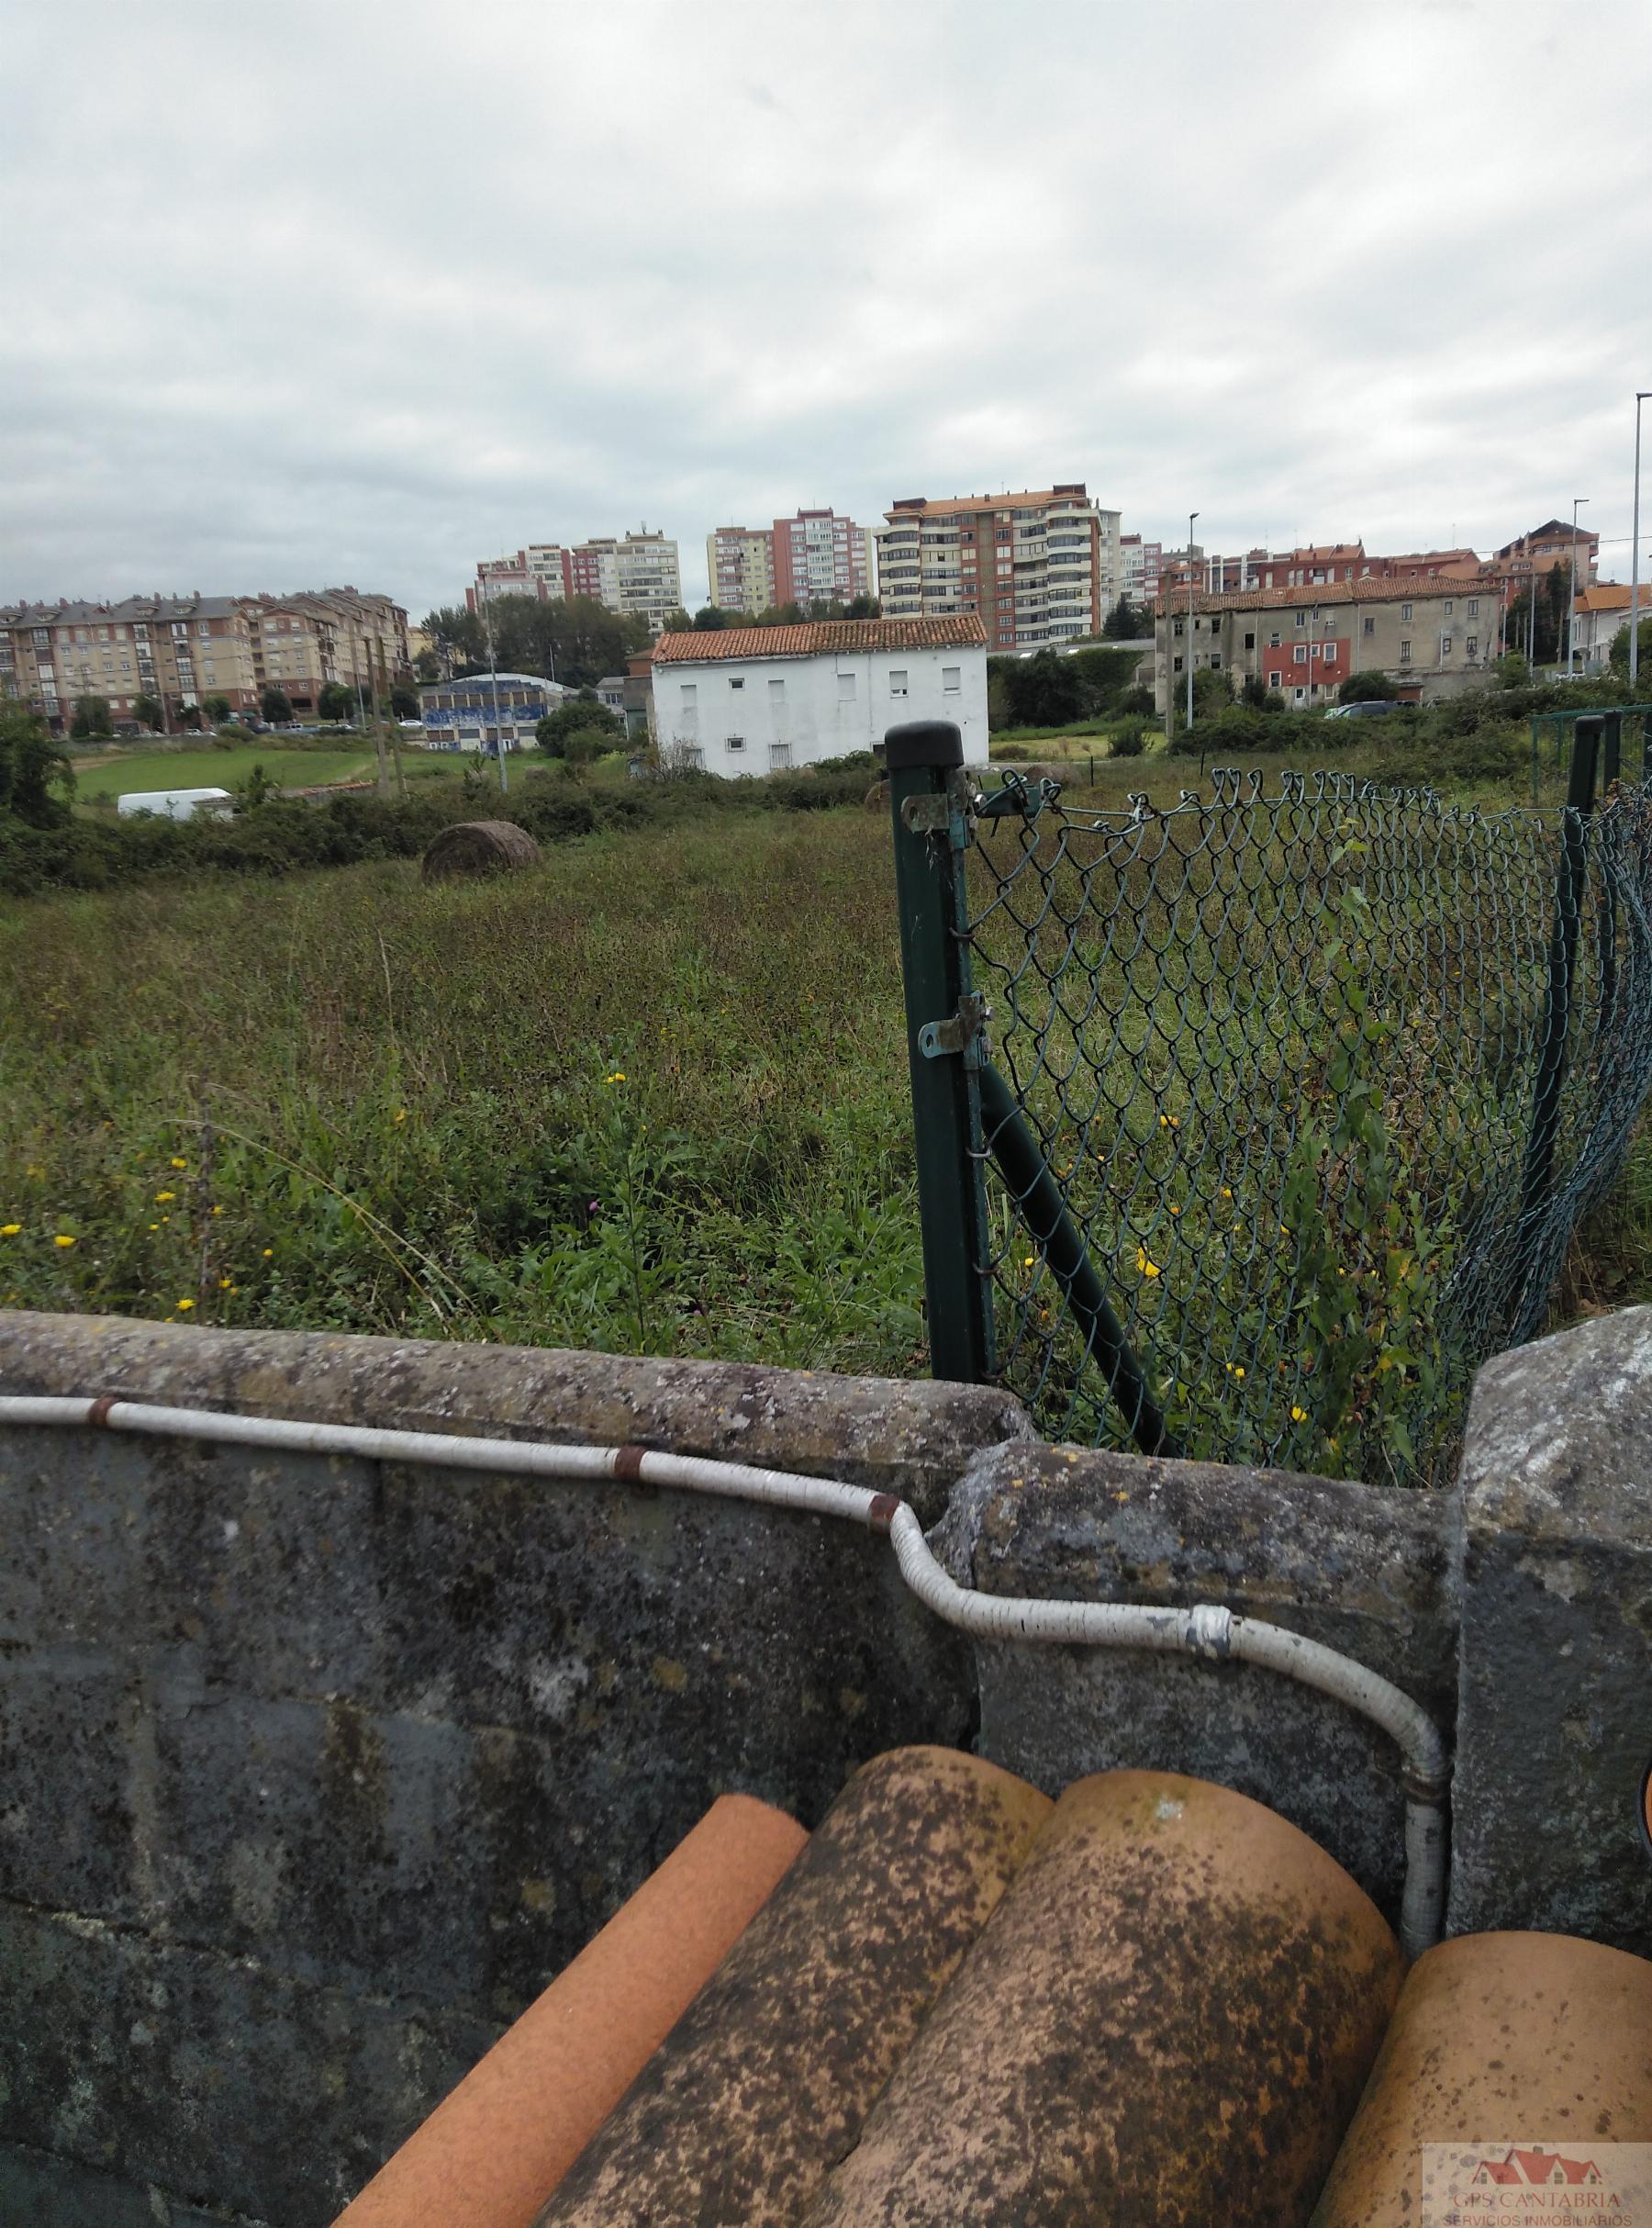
{"type": "Point", "coordinates": [815, 637]}
{"type": "Point", "coordinates": [1403, 591]}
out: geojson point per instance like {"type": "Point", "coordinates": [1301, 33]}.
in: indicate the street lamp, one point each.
{"type": "Point", "coordinates": [1571, 624]}
{"type": "Point", "coordinates": [1635, 553]}
{"type": "Point", "coordinates": [1191, 516]}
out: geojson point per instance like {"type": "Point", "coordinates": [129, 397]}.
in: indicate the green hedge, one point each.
{"type": "Point", "coordinates": [84, 854]}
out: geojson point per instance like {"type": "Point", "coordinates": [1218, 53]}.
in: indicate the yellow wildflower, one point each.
{"type": "Point", "coordinates": [1029, 1260]}
{"type": "Point", "coordinates": [1225, 1192]}
{"type": "Point", "coordinates": [218, 1210]}
{"type": "Point", "coordinates": [1143, 1266]}
{"type": "Point", "coordinates": [162, 1197]}
{"type": "Point", "coordinates": [401, 1114]}
{"type": "Point", "coordinates": [177, 1163]}
{"type": "Point", "coordinates": [269, 1253]}
{"type": "Point", "coordinates": [226, 1283]}
{"type": "Point", "coordinates": [62, 1240]}
{"type": "Point", "coordinates": [154, 1226]}
{"type": "Point", "coordinates": [9, 1229]}
{"type": "Point", "coordinates": [183, 1305]}
{"type": "Point", "coordinates": [1299, 1416]}
{"type": "Point", "coordinates": [618, 1076]}
{"type": "Point", "coordinates": [32, 1170]}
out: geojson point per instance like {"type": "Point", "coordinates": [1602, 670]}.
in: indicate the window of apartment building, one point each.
{"type": "Point", "coordinates": [1274, 680]}
{"type": "Point", "coordinates": [1215, 662]}
{"type": "Point", "coordinates": [1299, 654]}
{"type": "Point", "coordinates": [1301, 619]}
{"type": "Point", "coordinates": [103, 633]}
{"type": "Point", "coordinates": [952, 681]}
{"type": "Point", "coordinates": [1273, 642]}
{"type": "Point", "coordinates": [1448, 606]}
{"type": "Point", "coordinates": [1405, 653]}
{"type": "Point", "coordinates": [1250, 642]}
{"type": "Point", "coordinates": [1176, 664]}
{"type": "Point", "coordinates": [845, 687]}
{"type": "Point", "coordinates": [1002, 534]}
{"type": "Point", "coordinates": [1405, 610]}
{"type": "Point", "coordinates": [1370, 627]}
{"type": "Point", "coordinates": [898, 682]}
{"type": "Point", "coordinates": [1473, 645]}
{"type": "Point", "coordinates": [204, 629]}
{"type": "Point", "coordinates": [1474, 607]}
{"type": "Point", "coordinates": [1444, 646]}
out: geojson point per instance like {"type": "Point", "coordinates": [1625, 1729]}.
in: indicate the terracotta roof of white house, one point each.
{"type": "Point", "coordinates": [819, 636]}
{"type": "Point", "coordinates": [1613, 595]}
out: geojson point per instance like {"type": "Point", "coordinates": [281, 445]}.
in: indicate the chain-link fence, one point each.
{"type": "Point", "coordinates": [1250, 1126]}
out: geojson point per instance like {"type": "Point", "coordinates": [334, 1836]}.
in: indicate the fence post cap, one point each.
{"type": "Point", "coordinates": [923, 743]}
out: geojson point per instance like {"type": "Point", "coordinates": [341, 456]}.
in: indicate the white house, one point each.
{"type": "Point", "coordinates": [753, 699]}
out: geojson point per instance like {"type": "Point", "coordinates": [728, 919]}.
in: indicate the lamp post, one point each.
{"type": "Point", "coordinates": [494, 675]}
{"type": "Point", "coordinates": [1571, 624]}
{"type": "Point", "coordinates": [1635, 553]}
{"type": "Point", "coordinates": [1191, 516]}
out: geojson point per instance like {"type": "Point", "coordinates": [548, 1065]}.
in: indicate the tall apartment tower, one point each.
{"type": "Point", "coordinates": [740, 567]}
{"type": "Point", "coordinates": [638, 573]}
{"type": "Point", "coordinates": [1038, 566]}
{"type": "Point", "coordinates": [819, 555]}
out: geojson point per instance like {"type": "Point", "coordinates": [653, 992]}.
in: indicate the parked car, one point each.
{"type": "Point", "coordinates": [1373, 708]}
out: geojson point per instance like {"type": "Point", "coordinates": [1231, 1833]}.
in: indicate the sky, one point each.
{"type": "Point", "coordinates": [365, 290]}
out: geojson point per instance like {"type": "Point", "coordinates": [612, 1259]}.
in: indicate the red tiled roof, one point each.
{"type": "Point", "coordinates": [912, 506]}
{"type": "Point", "coordinates": [1405, 589]}
{"type": "Point", "coordinates": [1613, 595]}
{"type": "Point", "coordinates": [961, 632]}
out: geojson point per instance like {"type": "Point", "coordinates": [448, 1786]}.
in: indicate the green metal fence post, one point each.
{"type": "Point", "coordinates": [924, 761]}
{"type": "Point", "coordinates": [1612, 747]}
{"type": "Point", "coordinates": [1538, 1178]}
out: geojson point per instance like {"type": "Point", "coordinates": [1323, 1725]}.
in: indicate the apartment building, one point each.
{"type": "Point", "coordinates": [1431, 638]}
{"type": "Point", "coordinates": [636, 572]}
{"type": "Point", "coordinates": [818, 557]}
{"type": "Point", "coordinates": [1036, 568]}
{"type": "Point", "coordinates": [740, 567]}
{"type": "Point", "coordinates": [181, 650]}
{"type": "Point", "coordinates": [1139, 563]}
{"type": "Point", "coordinates": [1541, 550]}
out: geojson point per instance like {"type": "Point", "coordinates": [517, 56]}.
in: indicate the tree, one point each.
{"type": "Point", "coordinates": [404, 703]}
{"type": "Point", "coordinates": [1619, 646]}
{"type": "Point", "coordinates": [575, 640]}
{"type": "Point", "coordinates": [862, 606]}
{"type": "Point", "coordinates": [1258, 695]}
{"type": "Point", "coordinates": [781, 615]}
{"type": "Point", "coordinates": [256, 790]}
{"type": "Point", "coordinates": [581, 715]}
{"type": "Point", "coordinates": [336, 702]}
{"type": "Point", "coordinates": [428, 666]}
{"type": "Point", "coordinates": [218, 708]}
{"type": "Point", "coordinates": [32, 764]}
{"type": "Point", "coordinates": [92, 716]}
{"type": "Point", "coordinates": [712, 619]}
{"type": "Point", "coordinates": [147, 711]}
{"type": "Point", "coordinates": [191, 716]}
{"type": "Point", "coordinates": [1368, 688]}
{"type": "Point", "coordinates": [1125, 623]}
{"type": "Point", "coordinates": [275, 705]}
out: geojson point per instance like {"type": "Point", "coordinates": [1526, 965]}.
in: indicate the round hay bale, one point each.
{"type": "Point", "coordinates": [478, 847]}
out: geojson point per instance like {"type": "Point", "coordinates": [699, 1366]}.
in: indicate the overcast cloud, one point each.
{"type": "Point", "coordinates": [360, 292]}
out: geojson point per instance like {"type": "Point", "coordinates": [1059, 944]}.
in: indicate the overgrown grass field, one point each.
{"type": "Point", "coordinates": [209, 768]}
{"type": "Point", "coordinates": [651, 1097]}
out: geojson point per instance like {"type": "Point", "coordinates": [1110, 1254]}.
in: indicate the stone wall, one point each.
{"type": "Point", "coordinates": [313, 1772]}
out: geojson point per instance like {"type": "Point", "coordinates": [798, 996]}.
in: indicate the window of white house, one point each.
{"type": "Point", "coordinates": [1405, 653]}
{"type": "Point", "coordinates": [845, 687]}
{"type": "Point", "coordinates": [1299, 654]}
{"type": "Point", "coordinates": [952, 681]}
{"type": "Point", "coordinates": [777, 691]}
{"type": "Point", "coordinates": [690, 694]}
{"type": "Point", "coordinates": [736, 741]}
{"type": "Point", "coordinates": [898, 682]}
{"type": "Point", "coordinates": [779, 756]}
{"type": "Point", "coordinates": [737, 680]}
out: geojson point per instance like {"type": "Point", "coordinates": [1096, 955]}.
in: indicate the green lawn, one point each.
{"type": "Point", "coordinates": [223, 770]}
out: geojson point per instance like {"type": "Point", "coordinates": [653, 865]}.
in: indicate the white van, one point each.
{"type": "Point", "coordinates": [175, 804]}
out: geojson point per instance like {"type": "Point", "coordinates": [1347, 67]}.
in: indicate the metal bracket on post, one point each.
{"type": "Point", "coordinates": [931, 799]}
{"type": "Point", "coordinates": [961, 1034]}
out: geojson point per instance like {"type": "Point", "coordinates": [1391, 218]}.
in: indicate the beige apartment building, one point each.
{"type": "Point", "coordinates": [1037, 567]}
{"type": "Point", "coordinates": [1431, 638]}
{"type": "Point", "coordinates": [740, 566]}
{"type": "Point", "coordinates": [179, 650]}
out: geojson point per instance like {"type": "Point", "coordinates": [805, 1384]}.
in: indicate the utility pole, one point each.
{"type": "Point", "coordinates": [1634, 554]}
{"type": "Point", "coordinates": [1191, 516]}
{"type": "Point", "coordinates": [392, 723]}
{"type": "Point", "coordinates": [493, 677]}
{"type": "Point", "coordinates": [1571, 624]}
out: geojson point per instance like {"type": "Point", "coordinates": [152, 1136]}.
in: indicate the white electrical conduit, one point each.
{"type": "Point", "coordinates": [1206, 1631]}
